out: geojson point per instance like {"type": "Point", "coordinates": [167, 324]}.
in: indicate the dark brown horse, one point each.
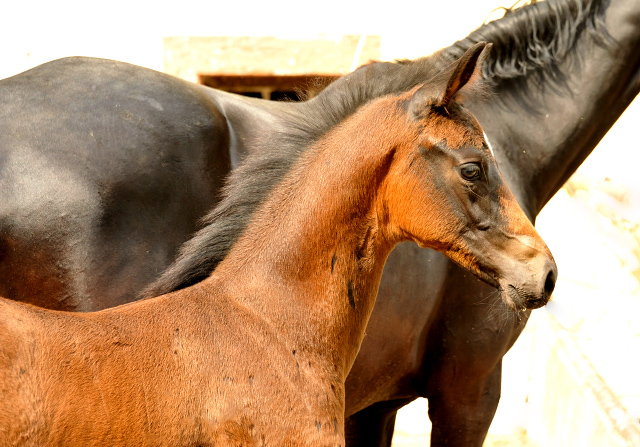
{"type": "Point", "coordinates": [257, 354]}
{"type": "Point", "coordinates": [105, 168]}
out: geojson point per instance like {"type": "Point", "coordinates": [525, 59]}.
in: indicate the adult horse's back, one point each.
{"type": "Point", "coordinates": [105, 169]}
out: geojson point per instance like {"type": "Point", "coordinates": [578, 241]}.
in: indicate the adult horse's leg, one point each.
{"type": "Point", "coordinates": [383, 377]}
{"type": "Point", "coordinates": [457, 363]}
{"type": "Point", "coordinates": [372, 426]}
{"type": "Point", "coordinates": [461, 415]}
{"type": "Point", "coordinates": [463, 363]}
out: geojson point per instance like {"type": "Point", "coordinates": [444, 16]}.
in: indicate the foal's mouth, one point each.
{"type": "Point", "coordinates": [519, 300]}
{"type": "Point", "coordinates": [491, 277]}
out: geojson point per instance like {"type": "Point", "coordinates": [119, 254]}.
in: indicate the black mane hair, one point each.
{"type": "Point", "coordinates": [530, 42]}
{"type": "Point", "coordinates": [249, 184]}
{"type": "Point", "coordinates": [537, 37]}
{"type": "Point", "coordinates": [525, 40]}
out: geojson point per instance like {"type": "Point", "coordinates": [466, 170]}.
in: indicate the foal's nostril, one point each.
{"type": "Point", "coordinates": [549, 283]}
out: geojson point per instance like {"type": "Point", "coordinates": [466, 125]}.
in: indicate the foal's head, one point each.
{"type": "Point", "coordinates": [448, 172]}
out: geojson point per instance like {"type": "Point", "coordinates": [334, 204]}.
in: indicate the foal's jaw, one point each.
{"type": "Point", "coordinates": [520, 266]}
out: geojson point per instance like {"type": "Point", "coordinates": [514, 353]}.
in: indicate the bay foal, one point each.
{"type": "Point", "coordinates": [257, 354]}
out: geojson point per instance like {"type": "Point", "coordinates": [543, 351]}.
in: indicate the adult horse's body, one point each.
{"type": "Point", "coordinates": [258, 353]}
{"type": "Point", "coordinates": [78, 245]}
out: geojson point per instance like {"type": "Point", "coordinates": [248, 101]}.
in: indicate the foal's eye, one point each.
{"type": "Point", "coordinates": [470, 171]}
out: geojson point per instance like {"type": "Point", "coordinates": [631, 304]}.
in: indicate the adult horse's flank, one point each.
{"type": "Point", "coordinates": [105, 169]}
{"type": "Point", "coordinates": [257, 354]}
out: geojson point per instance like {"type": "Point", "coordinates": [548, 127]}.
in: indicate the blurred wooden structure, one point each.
{"type": "Point", "coordinates": [267, 67]}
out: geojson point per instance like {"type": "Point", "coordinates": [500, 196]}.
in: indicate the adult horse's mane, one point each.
{"type": "Point", "coordinates": [535, 38]}
{"type": "Point", "coordinates": [526, 40]}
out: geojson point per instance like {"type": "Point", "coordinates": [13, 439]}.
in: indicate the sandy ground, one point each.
{"type": "Point", "coordinates": [412, 429]}
{"type": "Point", "coordinates": [401, 439]}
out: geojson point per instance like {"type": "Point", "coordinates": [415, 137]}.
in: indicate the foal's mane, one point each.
{"type": "Point", "coordinates": [275, 155]}
{"type": "Point", "coordinates": [524, 41]}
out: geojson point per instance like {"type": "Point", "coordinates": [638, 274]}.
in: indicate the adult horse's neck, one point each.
{"type": "Point", "coordinates": [544, 129]}
{"type": "Point", "coordinates": [325, 255]}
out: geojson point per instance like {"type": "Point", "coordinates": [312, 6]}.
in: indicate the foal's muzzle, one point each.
{"type": "Point", "coordinates": [534, 288]}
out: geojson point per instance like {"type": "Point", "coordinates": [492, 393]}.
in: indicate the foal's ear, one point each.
{"type": "Point", "coordinates": [466, 71]}
{"type": "Point", "coordinates": [440, 90]}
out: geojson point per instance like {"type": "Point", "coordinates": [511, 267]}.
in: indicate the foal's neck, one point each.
{"type": "Point", "coordinates": [311, 261]}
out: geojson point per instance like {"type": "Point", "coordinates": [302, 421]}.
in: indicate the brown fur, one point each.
{"type": "Point", "coordinates": [257, 354]}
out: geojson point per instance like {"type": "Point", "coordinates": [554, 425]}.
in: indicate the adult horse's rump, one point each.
{"type": "Point", "coordinates": [105, 169]}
